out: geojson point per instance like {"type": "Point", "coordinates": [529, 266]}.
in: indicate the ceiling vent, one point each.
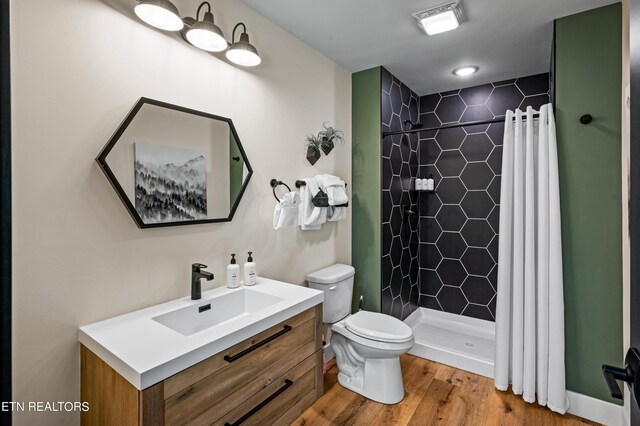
{"type": "Point", "coordinates": [439, 19]}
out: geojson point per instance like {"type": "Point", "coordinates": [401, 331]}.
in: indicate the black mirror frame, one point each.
{"type": "Point", "coordinates": [102, 157]}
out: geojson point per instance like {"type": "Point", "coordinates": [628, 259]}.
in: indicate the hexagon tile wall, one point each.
{"type": "Point", "coordinates": [445, 258]}
{"type": "Point", "coordinates": [459, 225]}
{"type": "Point", "coordinates": [400, 238]}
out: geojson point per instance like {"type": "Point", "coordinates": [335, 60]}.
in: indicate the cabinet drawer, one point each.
{"type": "Point", "coordinates": [275, 402]}
{"type": "Point", "coordinates": [215, 386]}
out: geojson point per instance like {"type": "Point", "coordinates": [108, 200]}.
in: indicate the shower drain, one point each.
{"type": "Point", "coordinates": [469, 344]}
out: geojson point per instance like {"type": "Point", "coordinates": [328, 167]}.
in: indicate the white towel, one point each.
{"type": "Point", "coordinates": [286, 211]}
{"type": "Point", "coordinates": [310, 217]}
{"type": "Point", "coordinates": [334, 187]}
{"type": "Point", "coordinates": [336, 213]}
{"type": "Point", "coordinates": [337, 196]}
{"type": "Point", "coordinates": [327, 180]}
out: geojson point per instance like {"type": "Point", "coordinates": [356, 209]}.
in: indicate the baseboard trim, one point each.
{"type": "Point", "coordinates": [626, 408]}
{"type": "Point", "coordinates": [595, 409]}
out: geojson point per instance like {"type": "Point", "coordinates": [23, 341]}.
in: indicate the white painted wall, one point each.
{"type": "Point", "coordinates": [78, 66]}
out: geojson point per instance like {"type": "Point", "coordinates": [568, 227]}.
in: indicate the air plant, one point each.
{"type": "Point", "coordinates": [330, 137]}
{"type": "Point", "coordinates": [325, 140]}
{"type": "Point", "coordinates": [314, 143]}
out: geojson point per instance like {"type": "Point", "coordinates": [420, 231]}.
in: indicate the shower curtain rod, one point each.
{"type": "Point", "coordinates": [451, 126]}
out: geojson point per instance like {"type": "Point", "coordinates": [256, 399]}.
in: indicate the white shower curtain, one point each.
{"type": "Point", "coordinates": [530, 306]}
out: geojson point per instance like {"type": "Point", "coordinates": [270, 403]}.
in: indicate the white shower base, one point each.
{"type": "Point", "coordinates": [455, 340]}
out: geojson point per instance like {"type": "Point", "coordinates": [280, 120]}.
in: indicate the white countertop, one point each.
{"type": "Point", "coordinates": [146, 352]}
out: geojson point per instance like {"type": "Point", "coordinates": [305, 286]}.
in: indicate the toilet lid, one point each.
{"type": "Point", "coordinates": [381, 327]}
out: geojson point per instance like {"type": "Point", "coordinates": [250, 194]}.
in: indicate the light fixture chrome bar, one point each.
{"type": "Point", "coordinates": [201, 33]}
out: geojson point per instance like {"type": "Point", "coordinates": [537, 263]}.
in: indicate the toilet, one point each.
{"type": "Point", "coordinates": [367, 345]}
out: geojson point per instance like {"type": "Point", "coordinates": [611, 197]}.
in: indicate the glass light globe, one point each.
{"type": "Point", "coordinates": [161, 14]}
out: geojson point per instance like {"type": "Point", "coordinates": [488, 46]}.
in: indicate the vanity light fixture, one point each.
{"type": "Point", "coordinates": [205, 34]}
{"type": "Point", "coordinates": [161, 14]}
{"type": "Point", "coordinates": [201, 33]}
{"type": "Point", "coordinates": [439, 19]}
{"type": "Point", "coordinates": [465, 70]}
{"type": "Point", "coordinates": [242, 52]}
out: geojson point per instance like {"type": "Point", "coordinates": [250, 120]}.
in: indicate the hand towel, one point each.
{"type": "Point", "coordinates": [334, 187]}
{"type": "Point", "coordinates": [327, 180]}
{"type": "Point", "coordinates": [286, 211]}
{"type": "Point", "coordinates": [336, 213]}
{"type": "Point", "coordinates": [337, 195]}
{"type": "Point", "coordinates": [310, 217]}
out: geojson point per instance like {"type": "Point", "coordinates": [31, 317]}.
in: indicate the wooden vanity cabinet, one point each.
{"type": "Point", "coordinates": [270, 378]}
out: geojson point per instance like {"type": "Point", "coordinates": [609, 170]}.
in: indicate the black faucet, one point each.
{"type": "Point", "coordinates": [197, 274]}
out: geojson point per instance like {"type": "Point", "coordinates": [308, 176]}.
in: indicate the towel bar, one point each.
{"type": "Point", "coordinates": [300, 183]}
{"type": "Point", "coordinates": [274, 184]}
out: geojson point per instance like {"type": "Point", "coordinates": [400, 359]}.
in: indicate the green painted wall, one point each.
{"type": "Point", "coordinates": [588, 80]}
{"type": "Point", "coordinates": [366, 220]}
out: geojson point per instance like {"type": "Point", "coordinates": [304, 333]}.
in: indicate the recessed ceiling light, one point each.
{"type": "Point", "coordinates": [465, 70]}
{"type": "Point", "coordinates": [442, 18]}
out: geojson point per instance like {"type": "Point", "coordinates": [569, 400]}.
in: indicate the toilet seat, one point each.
{"type": "Point", "coordinates": [378, 327]}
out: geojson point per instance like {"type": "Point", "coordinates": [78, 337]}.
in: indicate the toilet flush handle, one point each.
{"type": "Point", "coordinates": [332, 288]}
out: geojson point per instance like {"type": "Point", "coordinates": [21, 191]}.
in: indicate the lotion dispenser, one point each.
{"type": "Point", "coordinates": [250, 271]}
{"type": "Point", "coordinates": [233, 270]}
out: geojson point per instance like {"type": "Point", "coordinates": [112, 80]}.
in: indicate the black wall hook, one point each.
{"type": "Point", "coordinates": [586, 119]}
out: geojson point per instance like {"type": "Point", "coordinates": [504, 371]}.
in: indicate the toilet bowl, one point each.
{"type": "Point", "coordinates": [367, 344]}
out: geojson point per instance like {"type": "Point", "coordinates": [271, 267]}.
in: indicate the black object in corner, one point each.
{"type": "Point", "coordinates": [586, 119]}
{"type": "Point", "coordinates": [5, 213]}
{"type": "Point", "coordinates": [627, 374]}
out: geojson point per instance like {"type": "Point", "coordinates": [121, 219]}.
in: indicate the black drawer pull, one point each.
{"type": "Point", "coordinates": [231, 358]}
{"type": "Point", "coordinates": [287, 384]}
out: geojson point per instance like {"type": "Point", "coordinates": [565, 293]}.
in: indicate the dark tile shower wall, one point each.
{"type": "Point", "coordinates": [459, 224]}
{"type": "Point", "coordinates": [400, 238]}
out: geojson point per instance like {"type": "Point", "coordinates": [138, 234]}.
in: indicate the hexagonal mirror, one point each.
{"type": "Point", "coordinates": [176, 166]}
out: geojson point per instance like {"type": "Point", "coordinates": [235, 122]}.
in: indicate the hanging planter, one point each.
{"type": "Point", "coordinates": [314, 144]}
{"type": "Point", "coordinates": [324, 141]}
{"type": "Point", "coordinates": [330, 138]}
{"type": "Point", "coordinates": [327, 146]}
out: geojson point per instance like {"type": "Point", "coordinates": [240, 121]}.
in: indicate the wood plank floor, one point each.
{"type": "Point", "coordinates": [435, 394]}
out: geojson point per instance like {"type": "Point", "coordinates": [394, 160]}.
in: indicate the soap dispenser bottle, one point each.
{"type": "Point", "coordinates": [250, 271]}
{"type": "Point", "coordinates": [233, 270]}
{"type": "Point", "coordinates": [430, 184]}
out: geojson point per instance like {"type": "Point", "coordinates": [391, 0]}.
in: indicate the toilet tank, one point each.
{"type": "Point", "coordinates": [337, 283]}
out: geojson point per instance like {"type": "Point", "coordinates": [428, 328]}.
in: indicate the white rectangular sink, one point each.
{"type": "Point", "coordinates": [151, 344]}
{"type": "Point", "coordinates": [216, 311]}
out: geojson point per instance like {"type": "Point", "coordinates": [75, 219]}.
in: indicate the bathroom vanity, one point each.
{"type": "Point", "coordinates": [237, 356]}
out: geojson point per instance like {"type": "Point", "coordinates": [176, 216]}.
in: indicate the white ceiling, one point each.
{"type": "Point", "coordinates": [505, 38]}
